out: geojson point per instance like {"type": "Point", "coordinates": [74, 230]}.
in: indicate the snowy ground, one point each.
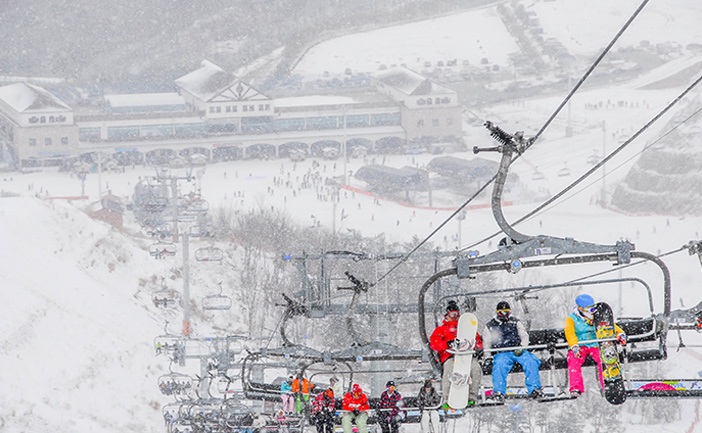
{"type": "Point", "coordinates": [78, 326]}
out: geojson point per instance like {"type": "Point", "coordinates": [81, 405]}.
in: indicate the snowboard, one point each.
{"type": "Point", "coordinates": [460, 376]}
{"type": "Point", "coordinates": [603, 319]}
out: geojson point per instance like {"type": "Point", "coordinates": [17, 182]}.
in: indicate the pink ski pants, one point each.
{"type": "Point", "coordinates": [575, 373]}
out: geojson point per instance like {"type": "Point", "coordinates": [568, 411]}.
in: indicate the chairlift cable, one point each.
{"type": "Point", "coordinates": [653, 143]}
{"type": "Point", "coordinates": [599, 164]}
{"type": "Point", "coordinates": [538, 134]}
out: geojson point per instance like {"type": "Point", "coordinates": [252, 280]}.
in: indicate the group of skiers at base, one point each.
{"type": "Point", "coordinates": [504, 331]}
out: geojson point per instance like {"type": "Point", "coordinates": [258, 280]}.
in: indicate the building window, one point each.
{"type": "Point", "coordinates": [420, 123]}
{"type": "Point", "coordinates": [435, 122]}
{"type": "Point", "coordinates": [229, 108]}
{"type": "Point", "coordinates": [260, 107]}
{"type": "Point", "coordinates": [268, 107]}
{"type": "Point", "coordinates": [219, 109]}
{"type": "Point", "coordinates": [437, 101]}
{"type": "Point", "coordinates": [251, 108]}
{"type": "Point", "coordinates": [42, 119]}
{"type": "Point", "coordinates": [47, 141]}
{"type": "Point", "coordinates": [212, 109]}
{"type": "Point", "coordinates": [235, 109]}
{"type": "Point", "coordinates": [32, 141]}
{"type": "Point", "coordinates": [64, 140]}
{"type": "Point", "coordinates": [52, 119]}
{"type": "Point", "coordinates": [449, 121]}
{"type": "Point", "coordinates": [446, 100]}
{"type": "Point", "coordinates": [421, 101]}
{"type": "Point", "coordinates": [246, 108]}
{"type": "Point", "coordinates": [428, 101]}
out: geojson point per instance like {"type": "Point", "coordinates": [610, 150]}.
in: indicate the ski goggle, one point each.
{"type": "Point", "coordinates": [504, 312]}
{"type": "Point", "coordinates": [588, 309]}
{"type": "Point", "coordinates": [453, 314]}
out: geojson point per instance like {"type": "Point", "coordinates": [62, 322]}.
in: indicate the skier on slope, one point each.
{"type": "Point", "coordinates": [444, 338]}
{"type": "Point", "coordinates": [579, 327]}
{"type": "Point", "coordinates": [504, 331]}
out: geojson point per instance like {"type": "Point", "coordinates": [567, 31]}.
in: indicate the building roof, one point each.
{"type": "Point", "coordinates": [210, 83]}
{"type": "Point", "coordinates": [409, 82]}
{"type": "Point", "coordinates": [468, 170]}
{"type": "Point", "coordinates": [207, 81]}
{"type": "Point", "coordinates": [24, 97]}
{"type": "Point", "coordinates": [144, 100]}
{"type": "Point", "coordinates": [405, 178]}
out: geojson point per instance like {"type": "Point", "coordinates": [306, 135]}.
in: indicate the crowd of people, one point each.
{"type": "Point", "coordinates": [504, 342]}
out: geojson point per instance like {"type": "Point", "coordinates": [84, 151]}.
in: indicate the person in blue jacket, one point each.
{"type": "Point", "coordinates": [288, 397]}
{"type": "Point", "coordinates": [505, 331]}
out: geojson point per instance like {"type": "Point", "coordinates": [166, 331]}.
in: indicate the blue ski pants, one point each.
{"type": "Point", "coordinates": [502, 363]}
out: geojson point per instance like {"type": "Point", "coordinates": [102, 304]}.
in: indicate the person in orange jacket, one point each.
{"type": "Point", "coordinates": [356, 407]}
{"type": "Point", "coordinates": [444, 338]}
{"type": "Point", "coordinates": [302, 392]}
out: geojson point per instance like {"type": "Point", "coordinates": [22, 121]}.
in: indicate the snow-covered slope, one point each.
{"type": "Point", "coordinates": [76, 352]}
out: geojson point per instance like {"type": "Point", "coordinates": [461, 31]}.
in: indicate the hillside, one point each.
{"type": "Point", "coordinates": [77, 326]}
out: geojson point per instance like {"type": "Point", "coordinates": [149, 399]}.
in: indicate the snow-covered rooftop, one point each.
{"type": "Point", "coordinates": [206, 82]}
{"type": "Point", "coordinates": [409, 82]}
{"type": "Point", "coordinates": [24, 97]}
{"type": "Point", "coordinates": [144, 99]}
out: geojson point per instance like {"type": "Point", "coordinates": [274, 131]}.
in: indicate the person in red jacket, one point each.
{"type": "Point", "coordinates": [444, 338]}
{"type": "Point", "coordinates": [356, 406]}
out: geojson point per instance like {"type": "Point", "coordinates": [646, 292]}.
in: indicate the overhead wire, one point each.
{"type": "Point", "coordinates": [598, 165]}
{"type": "Point", "coordinates": [617, 167]}
{"type": "Point", "coordinates": [538, 134]}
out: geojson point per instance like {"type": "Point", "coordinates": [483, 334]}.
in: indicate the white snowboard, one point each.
{"type": "Point", "coordinates": [460, 376]}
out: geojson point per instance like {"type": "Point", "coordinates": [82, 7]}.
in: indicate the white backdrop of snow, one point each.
{"type": "Point", "coordinates": [77, 343]}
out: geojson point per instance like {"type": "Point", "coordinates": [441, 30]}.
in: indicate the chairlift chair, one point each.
{"type": "Point", "coordinates": [537, 175]}
{"type": "Point", "coordinates": [565, 171]}
{"type": "Point", "coordinates": [166, 298]}
{"type": "Point", "coordinates": [217, 302]}
{"type": "Point", "coordinates": [162, 249]}
{"type": "Point", "coordinates": [209, 254]}
{"type": "Point", "coordinates": [175, 384]}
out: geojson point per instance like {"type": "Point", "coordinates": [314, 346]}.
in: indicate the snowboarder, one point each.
{"type": "Point", "coordinates": [578, 328]}
{"type": "Point", "coordinates": [428, 400]}
{"type": "Point", "coordinates": [323, 411]}
{"type": "Point", "coordinates": [389, 409]}
{"type": "Point", "coordinates": [444, 338]}
{"type": "Point", "coordinates": [286, 394]}
{"type": "Point", "coordinates": [507, 331]}
{"type": "Point", "coordinates": [356, 406]}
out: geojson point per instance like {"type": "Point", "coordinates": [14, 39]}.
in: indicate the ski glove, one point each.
{"type": "Point", "coordinates": [452, 344]}
{"type": "Point", "coordinates": [576, 350]}
{"type": "Point", "coordinates": [621, 338]}
{"type": "Point", "coordinates": [478, 353]}
{"type": "Point", "coordinates": [518, 352]}
{"type": "Point", "coordinates": [356, 412]}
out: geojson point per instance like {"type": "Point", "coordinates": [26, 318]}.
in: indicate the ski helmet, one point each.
{"type": "Point", "coordinates": [389, 384]}
{"type": "Point", "coordinates": [503, 305]}
{"type": "Point", "coordinates": [452, 306]}
{"type": "Point", "coordinates": [583, 301]}
{"type": "Point", "coordinates": [356, 389]}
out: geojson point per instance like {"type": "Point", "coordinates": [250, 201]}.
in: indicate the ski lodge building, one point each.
{"type": "Point", "coordinates": [216, 116]}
